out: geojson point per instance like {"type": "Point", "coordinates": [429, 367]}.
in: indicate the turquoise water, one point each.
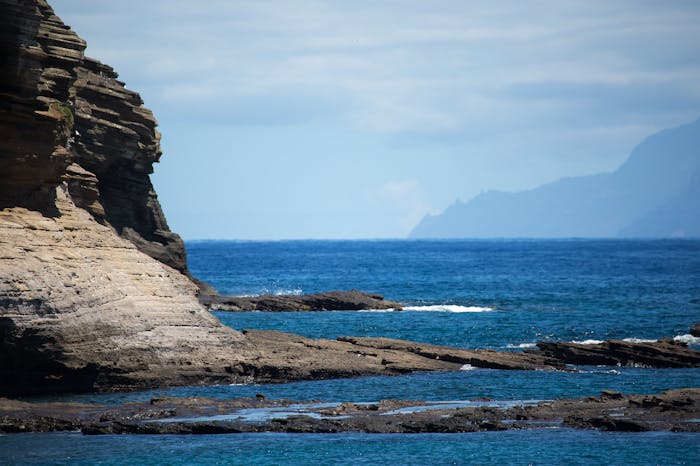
{"type": "Point", "coordinates": [507, 294]}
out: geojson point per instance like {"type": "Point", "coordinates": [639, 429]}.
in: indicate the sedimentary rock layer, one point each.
{"type": "Point", "coordinates": [92, 293]}
{"type": "Point", "coordinates": [82, 308]}
{"type": "Point", "coordinates": [67, 119]}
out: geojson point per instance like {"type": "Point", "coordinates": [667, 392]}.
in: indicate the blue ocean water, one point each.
{"type": "Point", "coordinates": [553, 446]}
{"type": "Point", "coordinates": [498, 294]}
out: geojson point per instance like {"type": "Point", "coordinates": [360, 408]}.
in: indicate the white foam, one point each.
{"type": "Point", "coordinates": [467, 367]}
{"type": "Point", "coordinates": [447, 308]}
{"type": "Point", "coordinates": [629, 340]}
{"type": "Point", "coordinates": [611, 371]}
{"type": "Point", "coordinates": [267, 291]}
{"type": "Point", "coordinates": [292, 292]}
{"type": "Point", "coordinates": [522, 345]}
{"type": "Point", "coordinates": [687, 338]}
{"type": "Point", "coordinates": [378, 310]}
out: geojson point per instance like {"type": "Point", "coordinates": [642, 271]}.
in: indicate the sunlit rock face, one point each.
{"type": "Point", "coordinates": [93, 291]}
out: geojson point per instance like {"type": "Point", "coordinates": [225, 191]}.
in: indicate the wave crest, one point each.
{"type": "Point", "coordinates": [447, 308]}
{"type": "Point", "coordinates": [687, 338]}
{"type": "Point", "coordinates": [639, 340]}
{"type": "Point", "coordinates": [521, 345]}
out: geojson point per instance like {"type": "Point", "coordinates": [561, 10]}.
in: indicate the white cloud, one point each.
{"type": "Point", "coordinates": [397, 66]}
{"type": "Point", "coordinates": [475, 93]}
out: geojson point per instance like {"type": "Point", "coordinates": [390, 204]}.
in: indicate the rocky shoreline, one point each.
{"type": "Point", "coordinates": [673, 410]}
{"type": "Point", "coordinates": [284, 357]}
{"type": "Point", "coordinates": [352, 300]}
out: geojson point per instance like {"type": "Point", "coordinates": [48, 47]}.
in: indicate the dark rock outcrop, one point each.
{"type": "Point", "coordinates": [662, 353]}
{"type": "Point", "coordinates": [278, 357]}
{"type": "Point", "coordinates": [674, 410]}
{"type": "Point", "coordinates": [695, 330]}
{"type": "Point", "coordinates": [330, 301]}
{"type": "Point", "coordinates": [487, 359]}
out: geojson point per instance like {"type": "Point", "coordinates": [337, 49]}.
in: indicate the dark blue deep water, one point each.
{"type": "Point", "coordinates": [499, 294]}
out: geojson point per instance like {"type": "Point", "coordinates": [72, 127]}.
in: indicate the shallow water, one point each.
{"type": "Point", "coordinates": [444, 386]}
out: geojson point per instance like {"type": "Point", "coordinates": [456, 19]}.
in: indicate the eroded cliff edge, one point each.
{"type": "Point", "coordinates": [93, 285]}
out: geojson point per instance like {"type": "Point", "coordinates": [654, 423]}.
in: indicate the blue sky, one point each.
{"type": "Point", "coordinates": [338, 119]}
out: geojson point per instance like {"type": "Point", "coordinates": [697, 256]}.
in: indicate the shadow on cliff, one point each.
{"type": "Point", "coordinates": [29, 365]}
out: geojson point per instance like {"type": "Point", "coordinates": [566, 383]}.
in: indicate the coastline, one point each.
{"type": "Point", "coordinates": [673, 410]}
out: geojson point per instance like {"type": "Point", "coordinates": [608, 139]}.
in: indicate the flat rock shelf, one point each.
{"type": "Point", "coordinates": [673, 410]}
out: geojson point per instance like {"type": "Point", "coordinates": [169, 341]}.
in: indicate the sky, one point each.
{"type": "Point", "coordinates": [353, 119]}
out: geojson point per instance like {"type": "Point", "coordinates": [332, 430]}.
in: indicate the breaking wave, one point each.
{"type": "Point", "coordinates": [521, 346]}
{"type": "Point", "coordinates": [687, 338]}
{"type": "Point", "coordinates": [447, 308]}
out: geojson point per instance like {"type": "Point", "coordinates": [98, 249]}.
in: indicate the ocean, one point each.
{"type": "Point", "coordinates": [500, 294]}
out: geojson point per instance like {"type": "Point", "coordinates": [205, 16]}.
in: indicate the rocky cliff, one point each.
{"type": "Point", "coordinates": [92, 290]}
{"type": "Point", "coordinates": [66, 119]}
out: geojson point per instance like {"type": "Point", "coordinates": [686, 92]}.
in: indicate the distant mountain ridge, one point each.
{"type": "Point", "coordinates": [654, 193]}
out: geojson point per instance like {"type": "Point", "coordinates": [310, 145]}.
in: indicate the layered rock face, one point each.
{"type": "Point", "coordinates": [83, 309]}
{"type": "Point", "coordinates": [81, 305]}
{"type": "Point", "coordinates": [65, 118]}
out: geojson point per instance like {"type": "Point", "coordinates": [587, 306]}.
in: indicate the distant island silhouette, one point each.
{"type": "Point", "coordinates": [654, 193]}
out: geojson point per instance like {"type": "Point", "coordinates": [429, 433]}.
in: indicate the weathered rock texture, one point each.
{"type": "Point", "coordinates": [330, 301]}
{"type": "Point", "coordinates": [661, 353]}
{"type": "Point", "coordinates": [81, 306]}
{"type": "Point", "coordinates": [674, 410]}
{"type": "Point", "coordinates": [66, 119]}
{"type": "Point", "coordinates": [487, 359]}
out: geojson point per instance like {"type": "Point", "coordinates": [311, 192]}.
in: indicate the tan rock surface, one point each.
{"type": "Point", "coordinates": [81, 308]}
{"type": "Point", "coordinates": [99, 309]}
